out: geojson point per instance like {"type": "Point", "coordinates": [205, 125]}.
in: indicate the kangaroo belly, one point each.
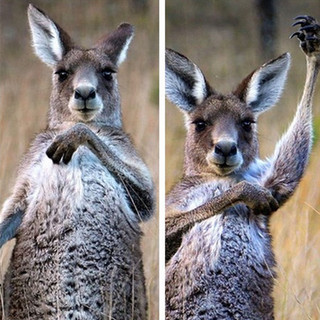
{"type": "Point", "coordinates": [77, 254]}
{"type": "Point", "coordinates": [223, 270]}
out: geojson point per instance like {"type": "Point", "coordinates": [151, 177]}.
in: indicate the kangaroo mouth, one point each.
{"type": "Point", "coordinates": [86, 110]}
{"type": "Point", "coordinates": [85, 114]}
{"type": "Point", "coordinates": [85, 107]}
{"type": "Point", "coordinates": [224, 169]}
{"type": "Point", "coordinates": [224, 166]}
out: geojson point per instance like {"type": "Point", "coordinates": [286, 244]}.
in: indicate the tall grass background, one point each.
{"type": "Point", "coordinates": [222, 37]}
{"type": "Point", "coordinates": [25, 86]}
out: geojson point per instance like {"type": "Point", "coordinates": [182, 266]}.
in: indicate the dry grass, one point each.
{"type": "Point", "coordinates": [25, 89]}
{"type": "Point", "coordinates": [222, 37]}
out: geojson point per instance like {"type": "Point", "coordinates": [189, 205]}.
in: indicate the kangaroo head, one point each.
{"type": "Point", "coordinates": [221, 129]}
{"type": "Point", "coordinates": [85, 86]}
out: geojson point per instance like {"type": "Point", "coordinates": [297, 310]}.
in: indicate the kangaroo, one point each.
{"type": "Point", "coordinates": [70, 231]}
{"type": "Point", "coordinates": [220, 264]}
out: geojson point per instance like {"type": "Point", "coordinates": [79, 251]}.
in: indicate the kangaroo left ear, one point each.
{"type": "Point", "coordinates": [262, 88]}
{"type": "Point", "coordinates": [117, 43]}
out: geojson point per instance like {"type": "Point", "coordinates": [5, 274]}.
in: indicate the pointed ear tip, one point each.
{"type": "Point", "coordinates": [172, 54]}
{"type": "Point", "coordinates": [286, 56]}
{"type": "Point", "coordinates": [127, 26]}
{"type": "Point", "coordinates": [32, 8]}
{"type": "Point", "coordinates": [34, 11]}
{"type": "Point", "coordinates": [282, 60]}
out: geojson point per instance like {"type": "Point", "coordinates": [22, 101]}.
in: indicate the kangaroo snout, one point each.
{"type": "Point", "coordinates": [85, 102]}
{"type": "Point", "coordinates": [225, 157]}
{"type": "Point", "coordinates": [85, 93]}
{"type": "Point", "coordinates": [225, 149]}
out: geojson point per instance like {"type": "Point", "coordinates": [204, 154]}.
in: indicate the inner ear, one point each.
{"type": "Point", "coordinates": [49, 40]}
{"type": "Point", "coordinates": [241, 90]}
{"type": "Point", "coordinates": [261, 89]}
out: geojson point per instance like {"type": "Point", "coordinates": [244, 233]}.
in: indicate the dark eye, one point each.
{"type": "Point", "coordinates": [200, 125]}
{"type": "Point", "coordinates": [247, 125]}
{"type": "Point", "coordinates": [63, 75]}
{"type": "Point", "coordinates": [107, 74]}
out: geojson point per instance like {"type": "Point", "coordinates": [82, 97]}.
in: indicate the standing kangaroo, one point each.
{"type": "Point", "coordinates": [220, 263]}
{"type": "Point", "coordinates": [73, 218]}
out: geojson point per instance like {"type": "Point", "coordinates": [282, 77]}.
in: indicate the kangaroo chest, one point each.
{"type": "Point", "coordinates": [78, 245]}
{"type": "Point", "coordinates": [223, 269]}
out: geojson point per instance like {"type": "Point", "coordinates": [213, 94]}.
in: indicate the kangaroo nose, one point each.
{"type": "Point", "coordinates": [85, 93]}
{"type": "Point", "coordinates": [225, 148]}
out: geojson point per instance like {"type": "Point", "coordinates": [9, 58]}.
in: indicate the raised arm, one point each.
{"type": "Point", "coordinates": [115, 151]}
{"type": "Point", "coordinates": [292, 152]}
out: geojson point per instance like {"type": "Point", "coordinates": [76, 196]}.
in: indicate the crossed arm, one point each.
{"type": "Point", "coordinates": [286, 166]}
{"type": "Point", "coordinates": [118, 155]}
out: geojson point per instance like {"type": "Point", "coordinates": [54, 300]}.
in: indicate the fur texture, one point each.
{"type": "Point", "coordinates": [218, 246]}
{"type": "Point", "coordinates": [81, 192]}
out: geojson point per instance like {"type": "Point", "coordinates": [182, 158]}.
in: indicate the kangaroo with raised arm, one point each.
{"type": "Point", "coordinates": [70, 231]}
{"type": "Point", "coordinates": [220, 264]}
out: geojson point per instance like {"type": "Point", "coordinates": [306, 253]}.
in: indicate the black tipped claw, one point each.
{"type": "Point", "coordinates": [312, 38]}
{"type": "Point", "coordinates": [50, 151]}
{"type": "Point", "coordinates": [295, 34]}
{"type": "Point", "coordinates": [297, 23]}
{"type": "Point", "coordinates": [310, 28]}
{"type": "Point", "coordinates": [308, 19]}
{"type": "Point", "coordinates": [307, 33]}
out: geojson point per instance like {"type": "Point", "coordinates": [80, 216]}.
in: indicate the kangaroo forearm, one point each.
{"type": "Point", "coordinates": [289, 164]}
{"type": "Point", "coordinates": [9, 226]}
{"type": "Point", "coordinates": [12, 213]}
{"type": "Point", "coordinates": [136, 181]}
{"type": "Point", "coordinates": [292, 152]}
{"type": "Point", "coordinates": [180, 222]}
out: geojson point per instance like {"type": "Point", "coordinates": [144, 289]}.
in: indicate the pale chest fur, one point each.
{"type": "Point", "coordinates": [203, 248]}
{"type": "Point", "coordinates": [78, 234]}
{"type": "Point", "coordinates": [61, 191]}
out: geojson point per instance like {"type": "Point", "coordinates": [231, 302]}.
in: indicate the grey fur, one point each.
{"type": "Point", "coordinates": [220, 261]}
{"type": "Point", "coordinates": [83, 190]}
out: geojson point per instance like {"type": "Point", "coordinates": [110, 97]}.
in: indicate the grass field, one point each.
{"type": "Point", "coordinates": [222, 38]}
{"type": "Point", "coordinates": [25, 89]}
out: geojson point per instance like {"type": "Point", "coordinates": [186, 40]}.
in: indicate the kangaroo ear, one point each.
{"type": "Point", "coordinates": [50, 41]}
{"type": "Point", "coordinates": [263, 87]}
{"type": "Point", "coordinates": [116, 44]}
{"type": "Point", "coordinates": [186, 85]}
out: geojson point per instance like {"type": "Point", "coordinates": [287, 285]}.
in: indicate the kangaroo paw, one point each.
{"type": "Point", "coordinates": [309, 35]}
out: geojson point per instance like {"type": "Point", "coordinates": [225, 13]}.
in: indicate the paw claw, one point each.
{"type": "Point", "coordinates": [312, 38]}
{"type": "Point", "coordinates": [295, 34]}
{"type": "Point", "coordinates": [310, 28]}
{"type": "Point", "coordinates": [297, 23]}
{"type": "Point", "coordinates": [308, 34]}
{"type": "Point", "coordinates": [307, 19]}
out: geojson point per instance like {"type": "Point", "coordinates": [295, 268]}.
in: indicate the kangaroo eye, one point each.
{"type": "Point", "coordinates": [200, 125]}
{"type": "Point", "coordinates": [247, 125]}
{"type": "Point", "coordinates": [63, 75]}
{"type": "Point", "coordinates": [107, 74]}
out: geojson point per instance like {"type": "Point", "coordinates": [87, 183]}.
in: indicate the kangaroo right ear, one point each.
{"type": "Point", "coordinates": [50, 41]}
{"type": "Point", "coordinates": [116, 44]}
{"type": "Point", "coordinates": [186, 85]}
{"type": "Point", "coordinates": [263, 87]}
